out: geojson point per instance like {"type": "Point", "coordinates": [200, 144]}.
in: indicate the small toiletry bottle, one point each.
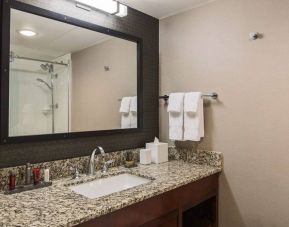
{"type": "Point", "coordinates": [36, 175]}
{"type": "Point", "coordinates": [46, 174]}
{"type": "Point", "coordinates": [12, 181]}
{"type": "Point", "coordinates": [28, 174]}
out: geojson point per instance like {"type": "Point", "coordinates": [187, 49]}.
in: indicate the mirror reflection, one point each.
{"type": "Point", "coordinates": [65, 78]}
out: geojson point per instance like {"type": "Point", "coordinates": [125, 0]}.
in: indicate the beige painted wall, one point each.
{"type": "Point", "coordinates": [207, 49]}
{"type": "Point", "coordinates": [95, 92]}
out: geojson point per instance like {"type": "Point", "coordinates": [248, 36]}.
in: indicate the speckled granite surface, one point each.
{"type": "Point", "coordinates": [61, 168]}
{"type": "Point", "coordinates": [201, 157]}
{"type": "Point", "coordinates": [59, 206]}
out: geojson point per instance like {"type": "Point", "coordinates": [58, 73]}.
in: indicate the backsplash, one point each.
{"type": "Point", "coordinates": [61, 168]}
{"type": "Point", "coordinates": [200, 157]}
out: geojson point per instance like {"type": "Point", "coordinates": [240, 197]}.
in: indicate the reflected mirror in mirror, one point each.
{"type": "Point", "coordinates": [65, 78]}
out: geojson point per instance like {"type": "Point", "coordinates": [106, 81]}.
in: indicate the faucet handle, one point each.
{"type": "Point", "coordinates": [109, 162]}
{"type": "Point", "coordinates": [105, 165]}
{"type": "Point", "coordinates": [75, 172]}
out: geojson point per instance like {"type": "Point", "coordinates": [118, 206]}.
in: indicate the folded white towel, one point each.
{"type": "Point", "coordinates": [191, 101]}
{"type": "Point", "coordinates": [176, 103]}
{"type": "Point", "coordinates": [125, 120]}
{"type": "Point", "coordinates": [176, 116]}
{"type": "Point", "coordinates": [125, 105]}
{"type": "Point", "coordinates": [133, 104]}
{"type": "Point", "coordinates": [193, 117]}
{"type": "Point", "coordinates": [133, 119]}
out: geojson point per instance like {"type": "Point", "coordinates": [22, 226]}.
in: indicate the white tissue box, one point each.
{"type": "Point", "coordinates": [145, 156]}
{"type": "Point", "coordinates": [159, 152]}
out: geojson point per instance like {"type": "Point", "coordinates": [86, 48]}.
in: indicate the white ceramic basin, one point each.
{"type": "Point", "coordinates": [106, 186]}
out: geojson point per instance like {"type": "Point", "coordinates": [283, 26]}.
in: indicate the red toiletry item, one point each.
{"type": "Point", "coordinates": [12, 181]}
{"type": "Point", "coordinates": [36, 175]}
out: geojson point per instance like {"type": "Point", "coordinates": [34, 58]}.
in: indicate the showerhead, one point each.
{"type": "Point", "coordinates": [47, 67]}
{"type": "Point", "coordinates": [44, 67]}
{"type": "Point", "coordinates": [42, 81]}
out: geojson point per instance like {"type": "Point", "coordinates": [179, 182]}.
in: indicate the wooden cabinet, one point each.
{"type": "Point", "coordinates": [168, 220]}
{"type": "Point", "coordinates": [192, 205]}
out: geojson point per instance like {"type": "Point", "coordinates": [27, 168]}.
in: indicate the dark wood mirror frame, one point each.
{"type": "Point", "coordinates": [5, 49]}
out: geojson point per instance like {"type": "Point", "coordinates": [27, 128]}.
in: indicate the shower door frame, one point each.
{"type": "Point", "coordinates": [6, 7]}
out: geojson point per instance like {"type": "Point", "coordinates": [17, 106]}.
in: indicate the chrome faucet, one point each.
{"type": "Point", "coordinates": [91, 165]}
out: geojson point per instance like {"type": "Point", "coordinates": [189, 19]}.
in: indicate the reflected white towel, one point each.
{"type": "Point", "coordinates": [125, 105]}
{"type": "Point", "coordinates": [176, 116]}
{"type": "Point", "coordinates": [125, 120]}
{"type": "Point", "coordinates": [193, 116]}
{"type": "Point", "coordinates": [133, 104]}
{"type": "Point", "coordinates": [124, 110]}
{"type": "Point", "coordinates": [133, 119]}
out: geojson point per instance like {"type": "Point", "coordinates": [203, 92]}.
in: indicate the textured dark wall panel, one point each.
{"type": "Point", "coordinates": [137, 24]}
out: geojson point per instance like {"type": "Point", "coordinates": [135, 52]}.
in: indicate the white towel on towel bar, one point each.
{"type": "Point", "coordinates": [176, 116]}
{"type": "Point", "coordinates": [193, 116]}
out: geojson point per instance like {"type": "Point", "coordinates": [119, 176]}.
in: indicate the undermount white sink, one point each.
{"type": "Point", "coordinates": [105, 186]}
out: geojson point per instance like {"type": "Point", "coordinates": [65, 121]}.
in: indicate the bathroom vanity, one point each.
{"type": "Point", "coordinates": [174, 189]}
{"type": "Point", "coordinates": [170, 209]}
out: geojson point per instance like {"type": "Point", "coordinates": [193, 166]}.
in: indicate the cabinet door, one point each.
{"type": "Point", "coordinates": [168, 220]}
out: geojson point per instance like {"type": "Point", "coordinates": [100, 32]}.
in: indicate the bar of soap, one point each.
{"type": "Point", "coordinates": [159, 152]}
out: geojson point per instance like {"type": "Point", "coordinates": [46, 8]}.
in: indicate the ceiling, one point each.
{"type": "Point", "coordinates": [54, 38]}
{"type": "Point", "coordinates": [164, 8]}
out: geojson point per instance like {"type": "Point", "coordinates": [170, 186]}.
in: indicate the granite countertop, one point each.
{"type": "Point", "coordinates": [57, 205]}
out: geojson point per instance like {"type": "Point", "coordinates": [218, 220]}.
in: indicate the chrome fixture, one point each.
{"type": "Point", "coordinates": [91, 164]}
{"type": "Point", "coordinates": [105, 166]}
{"type": "Point", "coordinates": [13, 56]}
{"type": "Point", "coordinates": [254, 35]}
{"type": "Point", "coordinates": [75, 173]}
{"type": "Point", "coordinates": [49, 68]}
{"type": "Point", "coordinates": [212, 95]}
{"type": "Point", "coordinates": [42, 81]}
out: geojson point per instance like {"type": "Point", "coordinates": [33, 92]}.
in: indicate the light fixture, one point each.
{"type": "Point", "coordinates": [27, 33]}
{"type": "Point", "coordinates": [109, 6]}
{"type": "Point", "coordinates": [122, 10]}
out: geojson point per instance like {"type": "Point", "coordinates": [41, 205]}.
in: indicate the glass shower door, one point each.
{"type": "Point", "coordinates": [39, 97]}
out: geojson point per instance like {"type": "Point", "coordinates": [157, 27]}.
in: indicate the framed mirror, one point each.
{"type": "Point", "coordinates": [67, 78]}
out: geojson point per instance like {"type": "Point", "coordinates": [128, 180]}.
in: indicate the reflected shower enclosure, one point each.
{"type": "Point", "coordinates": [38, 93]}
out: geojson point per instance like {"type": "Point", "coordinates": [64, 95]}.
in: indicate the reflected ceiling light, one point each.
{"type": "Point", "coordinates": [27, 33]}
{"type": "Point", "coordinates": [109, 6]}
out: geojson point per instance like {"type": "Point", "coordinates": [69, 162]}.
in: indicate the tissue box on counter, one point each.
{"type": "Point", "coordinates": [159, 152]}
